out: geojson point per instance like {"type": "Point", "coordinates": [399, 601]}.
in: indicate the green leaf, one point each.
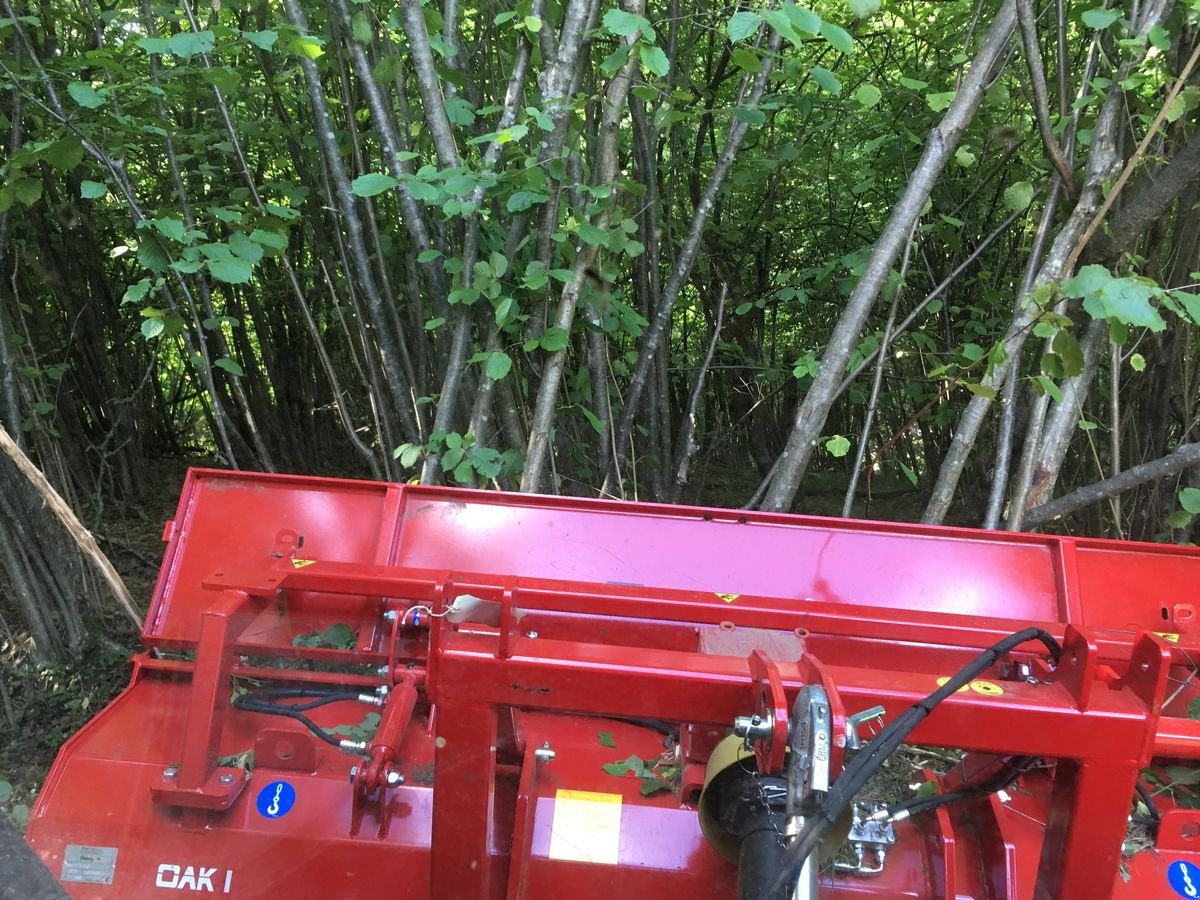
{"type": "Point", "coordinates": [264, 40]}
{"type": "Point", "coordinates": [191, 43]}
{"type": "Point", "coordinates": [979, 389]}
{"type": "Point", "coordinates": [593, 235]}
{"type": "Point", "coordinates": [864, 9]}
{"type": "Point", "coordinates": [523, 200]}
{"type": "Point", "coordinates": [136, 293]}
{"type": "Point", "coordinates": [360, 28]}
{"type": "Point", "coordinates": [742, 25]}
{"type": "Point", "coordinates": [838, 37]}
{"type": "Point", "coordinates": [1189, 499]}
{"type": "Point", "coordinates": [939, 101]}
{"type": "Point", "coordinates": [964, 157]}
{"type": "Point", "coordinates": [553, 339]}
{"type": "Point", "coordinates": [802, 19]}
{"type": "Point", "coordinates": [532, 24]}
{"type": "Point", "coordinates": [826, 79]}
{"type": "Point", "coordinates": [153, 327]}
{"type": "Point", "coordinates": [85, 95]}
{"type": "Point", "coordinates": [499, 364]}
{"type": "Point", "coordinates": [6, 788]}
{"type": "Point", "coordinates": [1018, 196]}
{"type": "Point", "coordinates": [247, 249]}
{"type": "Point", "coordinates": [838, 445]}
{"type": "Point", "coordinates": [751, 115]}
{"type": "Point", "coordinates": [271, 239]}
{"type": "Point", "coordinates": [1100, 18]}
{"type": "Point", "coordinates": [1069, 351]}
{"type": "Point", "coordinates": [973, 352]}
{"type": "Point", "coordinates": [913, 84]}
{"type": "Point", "coordinates": [428, 256]}
{"type": "Point", "coordinates": [654, 60]}
{"type": "Point", "coordinates": [435, 323]}
{"type": "Point", "coordinates": [1049, 387]}
{"type": "Point", "coordinates": [92, 190]}
{"type": "Point", "coordinates": [1137, 362]}
{"type": "Point", "coordinates": [65, 153]}
{"type": "Point", "coordinates": [229, 366]}
{"type": "Point", "coordinates": [1090, 280]}
{"type": "Point", "coordinates": [867, 95]}
{"type": "Point", "coordinates": [408, 454]}
{"type": "Point", "coordinates": [1190, 302]}
{"type": "Point", "coordinates": [154, 45]}
{"type": "Point", "coordinates": [606, 740]}
{"type": "Point", "coordinates": [372, 183]}
{"type": "Point", "coordinates": [653, 785]}
{"type": "Point", "coordinates": [623, 24]}
{"type": "Point", "coordinates": [233, 270]}
{"type": "Point", "coordinates": [506, 309]}
{"type": "Point", "coordinates": [1180, 519]}
{"type": "Point", "coordinates": [171, 227]}
{"type": "Point", "coordinates": [1127, 300]}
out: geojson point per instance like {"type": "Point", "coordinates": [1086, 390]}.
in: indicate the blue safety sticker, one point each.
{"type": "Point", "coordinates": [1184, 878]}
{"type": "Point", "coordinates": [276, 799]}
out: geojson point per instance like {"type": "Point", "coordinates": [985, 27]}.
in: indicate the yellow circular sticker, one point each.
{"type": "Point", "coordinates": [961, 690]}
{"type": "Point", "coordinates": [987, 688]}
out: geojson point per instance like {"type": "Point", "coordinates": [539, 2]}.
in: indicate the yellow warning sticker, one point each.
{"type": "Point", "coordinates": [301, 563]}
{"type": "Point", "coordinates": [986, 688]}
{"type": "Point", "coordinates": [729, 598]}
{"type": "Point", "coordinates": [1168, 636]}
{"type": "Point", "coordinates": [586, 827]}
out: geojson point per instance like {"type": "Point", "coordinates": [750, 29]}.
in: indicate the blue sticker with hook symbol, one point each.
{"type": "Point", "coordinates": [276, 799]}
{"type": "Point", "coordinates": [1184, 878]}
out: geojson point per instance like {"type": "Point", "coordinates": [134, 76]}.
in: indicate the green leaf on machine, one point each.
{"type": "Point", "coordinates": [742, 25]}
{"type": "Point", "coordinates": [229, 366]}
{"type": "Point", "coordinates": [1018, 196]}
{"type": "Point", "coordinates": [371, 184]}
{"type": "Point", "coordinates": [363, 731]}
{"type": "Point", "coordinates": [867, 95]}
{"type": "Point", "coordinates": [654, 60]}
{"type": "Point", "coordinates": [85, 95]}
{"type": "Point", "coordinates": [838, 445]}
{"type": "Point", "coordinates": [92, 190]}
{"type": "Point", "coordinates": [826, 79]}
{"type": "Point", "coordinates": [654, 785]}
{"type": "Point", "coordinates": [339, 636]}
{"type": "Point", "coordinates": [499, 364]}
{"type": "Point", "coordinates": [233, 270]}
{"type": "Point", "coordinates": [1100, 18]}
{"type": "Point", "coordinates": [1189, 499]}
{"type": "Point", "coordinates": [1185, 775]}
{"type": "Point", "coordinates": [606, 740]}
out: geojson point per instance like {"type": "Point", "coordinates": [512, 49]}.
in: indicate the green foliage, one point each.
{"type": "Point", "coordinates": [339, 636]}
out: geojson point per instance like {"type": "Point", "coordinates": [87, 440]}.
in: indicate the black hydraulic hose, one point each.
{"type": "Point", "coordinates": [867, 763]}
{"type": "Point", "coordinates": [1015, 768]}
{"type": "Point", "coordinates": [1147, 798]}
{"type": "Point", "coordinates": [262, 702]}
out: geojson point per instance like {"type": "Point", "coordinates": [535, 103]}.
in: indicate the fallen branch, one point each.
{"type": "Point", "coordinates": [82, 537]}
{"type": "Point", "coordinates": [1185, 455]}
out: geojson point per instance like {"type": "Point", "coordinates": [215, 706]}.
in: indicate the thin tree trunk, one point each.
{"type": "Point", "coordinates": [939, 148]}
{"type": "Point", "coordinates": [687, 437]}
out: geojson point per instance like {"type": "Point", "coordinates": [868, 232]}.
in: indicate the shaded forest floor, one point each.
{"type": "Point", "coordinates": [43, 705]}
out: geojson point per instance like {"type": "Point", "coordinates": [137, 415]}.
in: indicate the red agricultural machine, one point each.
{"type": "Point", "coordinates": [367, 690]}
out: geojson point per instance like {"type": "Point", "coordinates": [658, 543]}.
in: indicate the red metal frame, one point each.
{"type": "Point", "coordinates": [632, 611]}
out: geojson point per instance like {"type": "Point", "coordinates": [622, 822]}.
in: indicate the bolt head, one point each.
{"type": "Point", "coordinates": [531, 634]}
{"type": "Point", "coordinates": [353, 773]}
{"type": "Point", "coordinates": [390, 615]}
{"type": "Point", "coordinates": [226, 778]}
{"type": "Point", "coordinates": [394, 779]}
{"type": "Point", "coordinates": [170, 771]}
